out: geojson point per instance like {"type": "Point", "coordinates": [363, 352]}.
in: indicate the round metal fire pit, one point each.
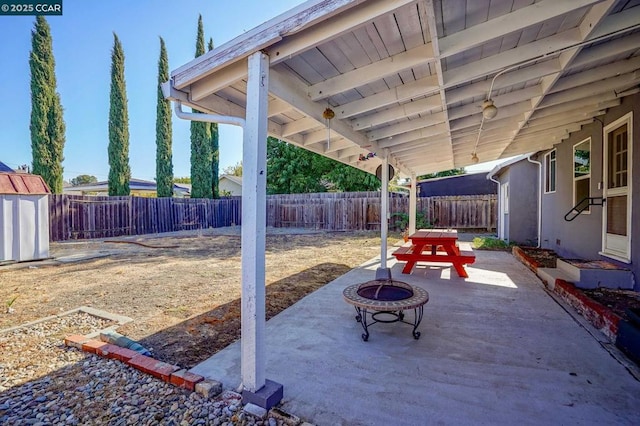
{"type": "Point", "coordinates": [384, 301]}
{"type": "Point", "coordinates": [385, 290]}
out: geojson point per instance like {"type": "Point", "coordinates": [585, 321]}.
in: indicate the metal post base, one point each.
{"type": "Point", "coordinates": [383, 274]}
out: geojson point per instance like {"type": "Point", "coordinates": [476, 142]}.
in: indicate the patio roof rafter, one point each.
{"type": "Point", "coordinates": [397, 72]}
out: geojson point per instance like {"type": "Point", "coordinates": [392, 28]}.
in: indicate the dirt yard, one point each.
{"type": "Point", "coordinates": [183, 291]}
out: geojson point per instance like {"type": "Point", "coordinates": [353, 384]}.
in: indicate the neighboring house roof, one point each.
{"type": "Point", "coordinates": [498, 168]}
{"type": "Point", "coordinates": [22, 183]}
{"type": "Point", "coordinates": [5, 168]}
{"type": "Point", "coordinates": [134, 185]}
{"type": "Point", "coordinates": [232, 178]}
{"type": "Point", "coordinates": [466, 184]}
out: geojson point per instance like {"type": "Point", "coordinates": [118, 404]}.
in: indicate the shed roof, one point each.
{"type": "Point", "coordinates": [5, 168]}
{"type": "Point", "coordinates": [22, 183]}
{"type": "Point", "coordinates": [407, 78]}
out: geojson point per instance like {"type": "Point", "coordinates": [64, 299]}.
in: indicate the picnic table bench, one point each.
{"type": "Point", "coordinates": [434, 245]}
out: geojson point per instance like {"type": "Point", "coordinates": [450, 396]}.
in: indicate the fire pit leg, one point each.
{"type": "Point", "coordinates": [417, 312]}
{"type": "Point", "coordinates": [361, 317]}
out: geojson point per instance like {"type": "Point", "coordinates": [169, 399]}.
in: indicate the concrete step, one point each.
{"type": "Point", "coordinates": [591, 274]}
{"type": "Point", "coordinates": [569, 270]}
{"type": "Point", "coordinates": [550, 275]}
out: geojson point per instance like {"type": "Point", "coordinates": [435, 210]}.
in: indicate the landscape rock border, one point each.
{"type": "Point", "coordinates": [117, 319]}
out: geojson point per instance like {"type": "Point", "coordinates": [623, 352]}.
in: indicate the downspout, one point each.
{"type": "Point", "coordinates": [539, 164]}
{"type": "Point", "coordinates": [490, 177]}
{"type": "Point", "coordinates": [208, 118]}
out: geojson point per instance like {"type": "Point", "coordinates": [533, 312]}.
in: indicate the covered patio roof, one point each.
{"type": "Point", "coordinates": [407, 79]}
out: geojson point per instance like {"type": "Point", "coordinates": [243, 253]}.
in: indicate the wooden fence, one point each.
{"type": "Point", "coordinates": [361, 210]}
{"type": "Point", "coordinates": [82, 217]}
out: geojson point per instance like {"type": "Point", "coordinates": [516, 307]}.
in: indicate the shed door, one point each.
{"type": "Point", "coordinates": [616, 217]}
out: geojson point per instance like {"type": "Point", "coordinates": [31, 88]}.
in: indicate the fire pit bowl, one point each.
{"type": "Point", "coordinates": [385, 301]}
{"type": "Point", "coordinates": [385, 291]}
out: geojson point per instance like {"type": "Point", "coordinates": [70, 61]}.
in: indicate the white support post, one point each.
{"type": "Point", "coordinates": [254, 198]}
{"type": "Point", "coordinates": [413, 200]}
{"type": "Point", "coordinates": [383, 272]}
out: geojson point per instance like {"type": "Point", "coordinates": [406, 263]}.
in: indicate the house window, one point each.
{"type": "Point", "coordinates": [550, 172]}
{"type": "Point", "coordinates": [582, 175]}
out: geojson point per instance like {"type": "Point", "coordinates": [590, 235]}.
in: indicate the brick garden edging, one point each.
{"type": "Point", "coordinates": [172, 374]}
{"type": "Point", "coordinates": [166, 372]}
{"type": "Point", "coordinates": [601, 317]}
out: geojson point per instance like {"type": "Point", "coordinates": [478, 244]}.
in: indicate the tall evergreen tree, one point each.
{"type": "Point", "coordinates": [119, 171]}
{"type": "Point", "coordinates": [164, 164]}
{"type": "Point", "coordinates": [201, 178]}
{"type": "Point", "coordinates": [215, 152]}
{"type": "Point", "coordinates": [47, 124]}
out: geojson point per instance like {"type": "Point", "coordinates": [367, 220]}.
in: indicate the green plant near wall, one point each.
{"type": "Point", "coordinates": [491, 243]}
{"type": "Point", "coordinates": [401, 221]}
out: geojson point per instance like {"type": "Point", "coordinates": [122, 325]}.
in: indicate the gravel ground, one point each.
{"type": "Point", "coordinates": [42, 382]}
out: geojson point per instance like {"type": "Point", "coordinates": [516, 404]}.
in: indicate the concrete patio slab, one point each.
{"type": "Point", "coordinates": [495, 349]}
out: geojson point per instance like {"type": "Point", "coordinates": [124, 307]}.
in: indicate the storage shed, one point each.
{"type": "Point", "coordinates": [24, 216]}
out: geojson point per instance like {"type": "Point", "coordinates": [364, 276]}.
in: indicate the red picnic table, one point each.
{"type": "Point", "coordinates": [435, 245]}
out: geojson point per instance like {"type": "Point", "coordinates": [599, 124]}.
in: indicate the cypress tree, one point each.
{"type": "Point", "coordinates": [200, 142]}
{"type": "Point", "coordinates": [119, 171]}
{"type": "Point", "coordinates": [47, 124]}
{"type": "Point", "coordinates": [215, 152]}
{"type": "Point", "coordinates": [164, 165]}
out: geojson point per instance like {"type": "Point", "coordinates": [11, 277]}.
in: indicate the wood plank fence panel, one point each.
{"type": "Point", "coordinates": [79, 217]}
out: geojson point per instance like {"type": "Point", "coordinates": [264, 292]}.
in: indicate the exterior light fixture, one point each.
{"type": "Point", "coordinates": [474, 157]}
{"type": "Point", "coordinates": [489, 110]}
{"type": "Point", "coordinates": [328, 114]}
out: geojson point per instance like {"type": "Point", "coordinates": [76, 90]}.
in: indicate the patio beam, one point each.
{"type": "Point", "coordinates": [425, 132]}
{"type": "Point", "coordinates": [427, 13]}
{"type": "Point", "coordinates": [584, 105]}
{"type": "Point", "coordinates": [587, 91]}
{"type": "Point", "coordinates": [603, 51]}
{"type": "Point", "coordinates": [596, 74]}
{"type": "Point", "coordinates": [222, 78]}
{"type": "Point", "coordinates": [304, 124]}
{"type": "Point", "coordinates": [292, 91]}
{"type": "Point", "coordinates": [587, 27]}
{"type": "Point", "coordinates": [499, 101]}
{"type": "Point", "coordinates": [500, 61]}
{"type": "Point", "coordinates": [408, 109]}
{"type": "Point", "coordinates": [339, 24]}
{"type": "Point", "coordinates": [507, 79]}
{"type": "Point", "coordinates": [259, 38]}
{"type": "Point", "coordinates": [517, 20]}
{"type": "Point", "coordinates": [427, 120]}
{"type": "Point", "coordinates": [402, 93]}
{"type": "Point", "coordinates": [372, 72]}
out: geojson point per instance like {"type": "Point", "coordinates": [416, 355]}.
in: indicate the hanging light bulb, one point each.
{"type": "Point", "coordinates": [474, 158]}
{"type": "Point", "coordinates": [489, 110]}
{"type": "Point", "coordinates": [328, 114]}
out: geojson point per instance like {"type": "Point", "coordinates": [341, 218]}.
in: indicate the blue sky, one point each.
{"type": "Point", "coordinates": [82, 43]}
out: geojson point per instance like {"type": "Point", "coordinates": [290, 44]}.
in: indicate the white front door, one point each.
{"type": "Point", "coordinates": [616, 226]}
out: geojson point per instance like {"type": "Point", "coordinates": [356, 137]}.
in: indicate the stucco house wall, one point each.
{"type": "Point", "coordinates": [523, 203]}
{"type": "Point", "coordinates": [517, 211]}
{"type": "Point", "coordinates": [582, 237]}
